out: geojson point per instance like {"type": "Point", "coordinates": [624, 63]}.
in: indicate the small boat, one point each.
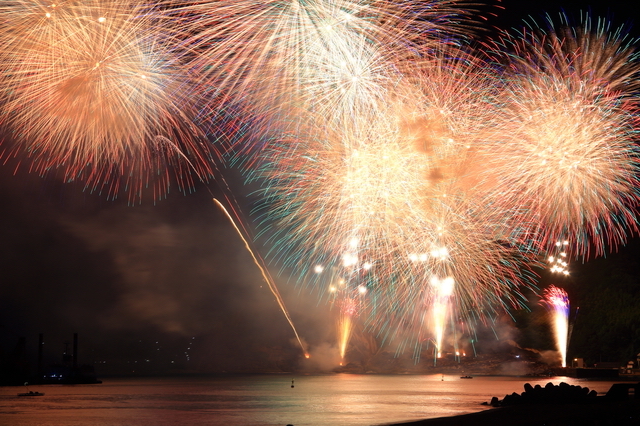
{"type": "Point", "coordinates": [31, 393]}
{"type": "Point", "coordinates": [466, 377]}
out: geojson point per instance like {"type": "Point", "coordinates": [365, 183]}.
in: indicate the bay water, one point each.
{"type": "Point", "coordinates": [261, 400]}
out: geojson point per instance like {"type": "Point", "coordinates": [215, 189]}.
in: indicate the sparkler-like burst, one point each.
{"type": "Point", "coordinates": [95, 89]}
{"type": "Point", "coordinates": [390, 156]}
{"type": "Point", "coordinates": [335, 57]}
{"type": "Point", "coordinates": [557, 301]}
{"type": "Point", "coordinates": [567, 157]}
{"type": "Point", "coordinates": [245, 43]}
{"type": "Point", "coordinates": [389, 203]}
{"type": "Point", "coordinates": [448, 173]}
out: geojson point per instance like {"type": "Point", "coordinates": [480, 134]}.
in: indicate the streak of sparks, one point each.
{"type": "Point", "coordinates": [265, 275]}
{"type": "Point", "coordinates": [557, 301]}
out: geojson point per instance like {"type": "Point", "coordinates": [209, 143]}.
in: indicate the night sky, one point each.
{"type": "Point", "coordinates": [167, 281]}
{"type": "Point", "coordinates": [126, 277]}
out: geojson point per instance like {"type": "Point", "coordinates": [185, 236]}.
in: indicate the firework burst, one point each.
{"type": "Point", "coordinates": [335, 56]}
{"type": "Point", "coordinates": [389, 203]}
{"type": "Point", "coordinates": [425, 182]}
{"type": "Point", "coordinates": [94, 89]}
{"type": "Point", "coordinates": [565, 156]}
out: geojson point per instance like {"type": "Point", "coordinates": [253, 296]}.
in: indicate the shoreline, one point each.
{"type": "Point", "coordinates": [561, 405]}
{"type": "Point", "coordinates": [604, 413]}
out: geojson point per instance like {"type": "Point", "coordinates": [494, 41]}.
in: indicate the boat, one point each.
{"type": "Point", "coordinates": [31, 393]}
{"type": "Point", "coordinates": [466, 377]}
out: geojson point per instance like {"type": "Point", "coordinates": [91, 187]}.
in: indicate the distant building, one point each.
{"type": "Point", "coordinates": [69, 372]}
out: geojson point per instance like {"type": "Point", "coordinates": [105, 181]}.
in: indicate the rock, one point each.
{"type": "Point", "coordinates": [560, 394]}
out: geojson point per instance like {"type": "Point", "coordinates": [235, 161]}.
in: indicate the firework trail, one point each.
{"type": "Point", "coordinates": [95, 90]}
{"type": "Point", "coordinates": [557, 301]}
{"type": "Point", "coordinates": [567, 160]}
{"type": "Point", "coordinates": [347, 295]}
{"type": "Point", "coordinates": [348, 310]}
{"type": "Point", "coordinates": [443, 289]}
{"type": "Point", "coordinates": [265, 275]}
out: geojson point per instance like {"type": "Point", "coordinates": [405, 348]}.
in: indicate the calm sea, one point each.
{"type": "Point", "coordinates": [343, 399]}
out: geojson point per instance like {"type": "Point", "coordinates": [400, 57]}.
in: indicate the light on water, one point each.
{"type": "Point", "coordinates": [342, 399]}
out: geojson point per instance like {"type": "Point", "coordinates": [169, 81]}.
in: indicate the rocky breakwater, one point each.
{"type": "Point", "coordinates": [554, 405]}
{"type": "Point", "coordinates": [550, 394]}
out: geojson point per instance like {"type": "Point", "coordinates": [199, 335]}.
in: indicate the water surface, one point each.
{"type": "Point", "coordinates": [260, 400]}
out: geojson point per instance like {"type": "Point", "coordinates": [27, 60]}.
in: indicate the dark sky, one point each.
{"type": "Point", "coordinates": [116, 274]}
{"type": "Point", "coordinates": [510, 13]}
{"type": "Point", "coordinates": [150, 281]}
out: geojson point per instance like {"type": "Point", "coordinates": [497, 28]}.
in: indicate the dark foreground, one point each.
{"type": "Point", "coordinates": [562, 405]}
{"type": "Point", "coordinates": [605, 414]}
